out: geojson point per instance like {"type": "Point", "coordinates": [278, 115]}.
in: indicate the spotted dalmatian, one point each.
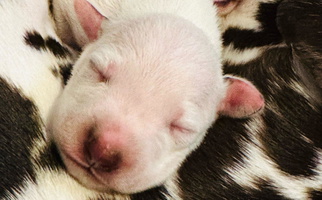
{"type": "Point", "coordinates": [276, 155]}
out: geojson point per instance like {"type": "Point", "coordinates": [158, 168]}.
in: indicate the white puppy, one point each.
{"type": "Point", "coordinates": [143, 95]}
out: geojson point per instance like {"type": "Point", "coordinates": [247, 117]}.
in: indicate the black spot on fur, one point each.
{"type": "Point", "coordinates": [293, 17]}
{"type": "Point", "coordinates": [50, 158]}
{"type": "Point", "coordinates": [19, 127]}
{"type": "Point", "coordinates": [35, 40]}
{"type": "Point", "coordinates": [51, 9]}
{"type": "Point", "coordinates": [247, 38]}
{"type": "Point", "coordinates": [316, 195]}
{"type": "Point", "coordinates": [66, 72]}
{"type": "Point", "coordinates": [155, 194]}
{"type": "Point", "coordinates": [56, 48]}
{"type": "Point", "coordinates": [266, 192]}
{"type": "Point", "coordinates": [202, 175]}
{"type": "Point", "coordinates": [55, 72]}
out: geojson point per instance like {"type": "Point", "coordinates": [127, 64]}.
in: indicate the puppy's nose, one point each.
{"type": "Point", "coordinates": [101, 156]}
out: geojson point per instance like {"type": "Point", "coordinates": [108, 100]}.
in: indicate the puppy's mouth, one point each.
{"type": "Point", "coordinates": [224, 7]}
{"type": "Point", "coordinates": [85, 168]}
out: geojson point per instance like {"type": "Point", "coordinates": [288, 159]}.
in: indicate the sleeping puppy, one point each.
{"type": "Point", "coordinates": [144, 92]}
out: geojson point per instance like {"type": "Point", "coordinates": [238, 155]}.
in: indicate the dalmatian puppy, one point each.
{"type": "Point", "coordinates": [144, 91]}
{"type": "Point", "coordinates": [275, 155]}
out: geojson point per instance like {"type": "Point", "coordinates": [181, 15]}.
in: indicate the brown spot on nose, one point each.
{"type": "Point", "coordinates": [100, 156]}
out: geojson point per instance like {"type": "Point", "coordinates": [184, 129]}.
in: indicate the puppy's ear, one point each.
{"type": "Point", "coordinates": [89, 17]}
{"type": "Point", "coordinates": [242, 98]}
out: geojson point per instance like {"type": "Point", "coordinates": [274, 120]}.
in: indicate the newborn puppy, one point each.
{"type": "Point", "coordinates": [274, 155]}
{"type": "Point", "coordinates": [143, 94]}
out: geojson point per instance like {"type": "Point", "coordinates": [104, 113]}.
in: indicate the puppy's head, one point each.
{"type": "Point", "coordinates": [140, 99]}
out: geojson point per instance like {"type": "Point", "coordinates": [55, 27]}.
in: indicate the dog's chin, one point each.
{"type": "Point", "coordinates": [224, 7]}
{"type": "Point", "coordinates": [112, 182]}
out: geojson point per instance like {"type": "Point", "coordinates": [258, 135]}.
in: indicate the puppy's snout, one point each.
{"type": "Point", "coordinates": [101, 155]}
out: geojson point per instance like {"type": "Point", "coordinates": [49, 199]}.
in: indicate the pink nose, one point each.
{"type": "Point", "coordinates": [100, 156]}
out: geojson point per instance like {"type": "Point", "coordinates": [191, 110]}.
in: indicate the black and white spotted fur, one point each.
{"type": "Point", "coordinates": [34, 65]}
{"type": "Point", "coordinates": [31, 55]}
{"type": "Point", "coordinates": [277, 155]}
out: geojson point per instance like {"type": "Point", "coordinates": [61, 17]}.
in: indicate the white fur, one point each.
{"type": "Point", "coordinates": [234, 56]}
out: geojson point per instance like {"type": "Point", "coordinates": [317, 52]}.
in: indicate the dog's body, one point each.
{"type": "Point", "coordinates": [276, 155]}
